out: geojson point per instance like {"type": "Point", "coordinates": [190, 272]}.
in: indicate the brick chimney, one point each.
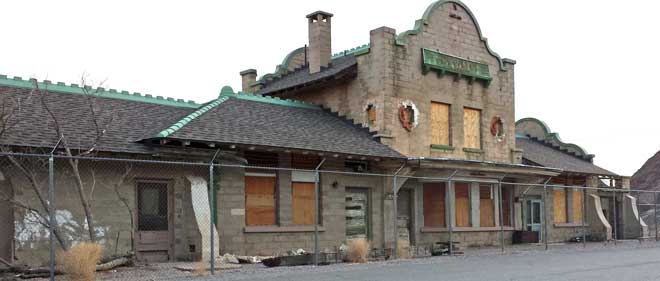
{"type": "Point", "coordinates": [248, 78]}
{"type": "Point", "coordinates": [319, 51]}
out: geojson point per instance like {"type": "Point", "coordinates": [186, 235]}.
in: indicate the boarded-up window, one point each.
{"type": "Point", "coordinates": [462, 195]}
{"type": "Point", "coordinates": [434, 204]}
{"type": "Point", "coordinates": [471, 128]}
{"type": "Point", "coordinates": [486, 206]}
{"type": "Point", "coordinates": [559, 201]}
{"type": "Point", "coordinates": [302, 203]}
{"type": "Point", "coordinates": [260, 200]}
{"type": "Point", "coordinates": [577, 206]}
{"type": "Point", "coordinates": [506, 205]}
{"type": "Point", "coordinates": [439, 123]}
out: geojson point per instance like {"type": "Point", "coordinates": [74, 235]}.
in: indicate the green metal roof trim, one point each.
{"type": "Point", "coordinates": [226, 93]}
{"type": "Point", "coordinates": [59, 87]}
{"type": "Point", "coordinates": [360, 50]}
{"type": "Point", "coordinates": [554, 138]}
{"type": "Point", "coordinates": [402, 38]}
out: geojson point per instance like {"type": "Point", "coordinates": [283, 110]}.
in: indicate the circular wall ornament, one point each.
{"type": "Point", "coordinates": [408, 115]}
{"type": "Point", "coordinates": [497, 128]}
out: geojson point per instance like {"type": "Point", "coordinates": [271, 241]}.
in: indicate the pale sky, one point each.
{"type": "Point", "coordinates": [586, 68]}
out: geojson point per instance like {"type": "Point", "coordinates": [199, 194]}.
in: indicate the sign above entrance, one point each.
{"type": "Point", "coordinates": [442, 63]}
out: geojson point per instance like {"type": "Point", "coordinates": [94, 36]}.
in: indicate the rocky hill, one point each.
{"type": "Point", "coordinates": [648, 177]}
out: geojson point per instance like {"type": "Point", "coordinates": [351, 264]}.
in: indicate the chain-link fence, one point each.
{"type": "Point", "coordinates": [291, 211]}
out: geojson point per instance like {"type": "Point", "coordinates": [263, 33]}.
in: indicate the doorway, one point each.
{"type": "Point", "coordinates": [154, 225]}
{"type": "Point", "coordinates": [404, 215]}
{"type": "Point", "coordinates": [357, 213]}
{"type": "Point", "coordinates": [534, 213]}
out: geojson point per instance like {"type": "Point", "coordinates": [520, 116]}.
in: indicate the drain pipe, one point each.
{"type": "Point", "coordinates": [212, 209]}
{"type": "Point", "coordinates": [316, 212]}
{"type": "Point", "coordinates": [395, 191]}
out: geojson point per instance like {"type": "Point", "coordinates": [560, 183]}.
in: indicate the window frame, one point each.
{"type": "Point", "coordinates": [448, 125]}
{"type": "Point", "coordinates": [478, 125]}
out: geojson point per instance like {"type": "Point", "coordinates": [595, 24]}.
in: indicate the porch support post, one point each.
{"type": "Point", "coordinates": [499, 202]}
{"type": "Point", "coordinates": [615, 215]}
{"type": "Point", "coordinates": [584, 218]}
{"type": "Point", "coordinates": [316, 212]}
{"type": "Point", "coordinates": [395, 192]}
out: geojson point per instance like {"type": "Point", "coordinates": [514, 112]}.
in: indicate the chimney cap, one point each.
{"type": "Point", "coordinates": [248, 71]}
{"type": "Point", "coordinates": [324, 14]}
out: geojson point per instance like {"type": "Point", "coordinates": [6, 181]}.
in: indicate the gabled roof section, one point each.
{"type": "Point", "coordinates": [537, 129]}
{"type": "Point", "coordinates": [248, 119]}
{"type": "Point", "coordinates": [546, 155]}
{"type": "Point", "coordinates": [75, 89]}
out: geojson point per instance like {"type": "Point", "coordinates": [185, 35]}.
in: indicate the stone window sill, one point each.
{"type": "Point", "coordinates": [442, 147]}
{"type": "Point", "coordinates": [279, 229]}
{"type": "Point", "coordinates": [465, 229]}
{"type": "Point", "coordinates": [570, 224]}
{"type": "Point", "coordinates": [473, 150]}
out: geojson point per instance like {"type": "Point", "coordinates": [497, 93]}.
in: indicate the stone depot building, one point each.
{"type": "Point", "coordinates": [428, 103]}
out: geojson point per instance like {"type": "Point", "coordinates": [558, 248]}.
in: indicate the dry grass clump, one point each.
{"type": "Point", "coordinates": [403, 249]}
{"type": "Point", "coordinates": [358, 250]}
{"type": "Point", "coordinates": [79, 263]}
{"type": "Point", "coordinates": [200, 268]}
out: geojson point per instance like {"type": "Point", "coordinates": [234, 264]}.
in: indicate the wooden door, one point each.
{"type": "Point", "coordinates": [153, 234]}
{"type": "Point", "coordinates": [302, 203]}
{"type": "Point", "coordinates": [357, 213]}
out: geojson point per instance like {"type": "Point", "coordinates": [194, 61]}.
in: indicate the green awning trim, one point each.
{"type": "Point", "coordinates": [75, 89]}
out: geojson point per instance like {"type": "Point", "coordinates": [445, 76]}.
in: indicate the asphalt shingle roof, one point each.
{"type": "Point", "coordinates": [301, 76]}
{"type": "Point", "coordinates": [124, 121]}
{"type": "Point", "coordinates": [261, 121]}
{"type": "Point", "coordinates": [545, 155]}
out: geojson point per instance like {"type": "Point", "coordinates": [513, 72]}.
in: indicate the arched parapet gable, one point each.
{"type": "Point", "coordinates": [537, 129]}
{"type": "Point", "coordinates": [402, 38]}
{"type": "Point", "coordinates": [288, 64]}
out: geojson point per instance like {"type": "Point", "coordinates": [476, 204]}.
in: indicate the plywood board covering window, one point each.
{"type": "Point", "coordinates": [559, 202]}
{"type": "Point", "coordinates": [471, 128]}
{"type": "Point", "coordinates": [439, 123]}
{"type": "Point", "coordinates": [577, 206]}
{"type": "Point", "coordinates": [434, 204]}
{"type": "Point", "coordinates": [486, 206]}
{"type": "Point", "coordinates": [260, 200]}
{"type": "Point", "coordinates": [462, 195]}
{"type": "Point", "coordinates": [302, 203]}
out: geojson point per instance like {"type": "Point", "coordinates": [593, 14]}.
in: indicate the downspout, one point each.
{"type": "Point", "coordinates": [212, 208]}
{"type": "Point", "coordinates": [316, 212]}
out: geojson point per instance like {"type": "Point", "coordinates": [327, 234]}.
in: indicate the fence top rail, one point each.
{"type": "Point", "coordinates": [489, 180]}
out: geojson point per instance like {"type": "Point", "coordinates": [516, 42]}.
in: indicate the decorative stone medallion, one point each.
{"type": "Point", "coordinates": [497, 128]}
{"type": "Point", "coordinates": [408, 115]}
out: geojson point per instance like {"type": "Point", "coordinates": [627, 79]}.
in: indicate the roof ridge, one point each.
{"type": "Point", "coordinates": [357, 125]}
{"type": "Point", "coordinates": [60, 87]}
{"type": "Point", "coordinates": [185, 120]}
{"type": "Point", "coordinates": [356, 51]}
{"type": "Point", "coordinates": [229, 92]}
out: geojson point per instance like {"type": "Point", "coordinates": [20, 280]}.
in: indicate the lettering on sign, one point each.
{"type": "Point", "coordinates": [442, 63]}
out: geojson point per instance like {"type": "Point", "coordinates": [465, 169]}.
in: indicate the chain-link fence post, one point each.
{"type": "Point", "coordinates": [655, 214]}
{"type": "Point", "coordinates": [212, 211]}
{"type": "Point", "coordinates": [316, 211]}
{"type": "Point", "coordinates": [544, 219]}
{"type": "Point", "coordinates": [584, 218]}
{"type": "Point", "coordinates": [615, 216]}
{"type": "Point", "coordinates": [51, 209]}
{"type": "Point", "coordinates": [452, 204]}
{"type": "Point", "coordinates": [499, 199]}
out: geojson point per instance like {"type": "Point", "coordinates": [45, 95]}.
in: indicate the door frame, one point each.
{"type": "Point", "coordinates": [529, 215]}
{"type": "Point", "coordinates": [170, 215]}
{"type": "Point", "coordinates": [368, 216]}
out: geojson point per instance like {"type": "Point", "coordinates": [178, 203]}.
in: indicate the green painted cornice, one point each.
{"type": "Point", "coordinates": [226, 93]}
{"type": "Point", "coordinates": [554, 139]}
{"type": "Point", "coordinates": [75, 89]}
{"type": "Point", "coordinates": [402, 38]}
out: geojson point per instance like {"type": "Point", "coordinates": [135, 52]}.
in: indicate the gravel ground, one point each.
{"type": "Point", "coordinates": [628, 260]}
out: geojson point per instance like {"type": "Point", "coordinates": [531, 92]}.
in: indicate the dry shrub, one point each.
{"type": "Point", "coordinates": [79, 263]}
{"type": "Point", "coordinates": [358, 250]}
{"type": "Point", "coordinates": [200, 268]}
{"type": "Point", "coordinates": [403, 249]}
